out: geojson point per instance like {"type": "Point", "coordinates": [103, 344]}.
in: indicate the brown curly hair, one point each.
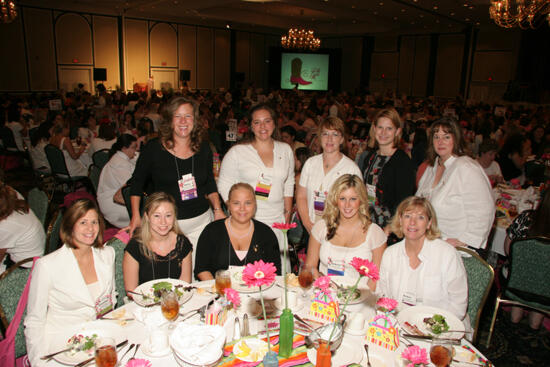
{"type": "Point", "coordinates": [166, 127]}
{"type": "Point", "coordinates": [449, 126]}
{"type": "Point", "coordinates": [76, 211]}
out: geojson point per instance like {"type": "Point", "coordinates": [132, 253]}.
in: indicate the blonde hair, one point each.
{"type": "Point", "coordinates": [391, 114]}
{"type": "Point", "coordinates": [76, 211]}
{"type": "Point", "coordinates": [331, 215]}
{"type": "Point", "coordinates": [415, 202]}
{"type": "Point", "coordinates": [243, 186]}
{"type": "Point", "coordinates": [143, 234]}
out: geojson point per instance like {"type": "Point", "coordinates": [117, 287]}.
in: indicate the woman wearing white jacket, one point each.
{"type": "Point", "coordinates": [72, 285]}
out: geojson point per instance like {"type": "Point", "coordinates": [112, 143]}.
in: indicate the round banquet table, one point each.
{"type": "Point", "coordinates": [136, 332]}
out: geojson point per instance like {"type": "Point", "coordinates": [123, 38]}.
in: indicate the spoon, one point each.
{"type": "Point", "coordinates": [367, 350]}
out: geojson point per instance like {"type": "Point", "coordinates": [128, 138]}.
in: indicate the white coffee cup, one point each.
{"type": "Point", "coordinates": [292, 299]}
{"type": "Point", "coordinates": [357, 321]}
{"type": "Point", "coordinates": [158, 341]}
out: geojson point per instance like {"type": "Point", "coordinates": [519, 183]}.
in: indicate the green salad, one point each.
{"type": "Point", "coordinates": [347, 294]}
{"type": "Point", "coordinates": [436, 324]}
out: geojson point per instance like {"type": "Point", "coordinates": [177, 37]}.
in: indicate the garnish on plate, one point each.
{"type": "Point", "coordinates": [79, 342]}
{"type": "Point", "coordinates": [436, 324]}
{"type": "Point", "coordinates": [348, 294]}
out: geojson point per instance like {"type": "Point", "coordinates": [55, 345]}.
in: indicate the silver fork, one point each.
{"type": "Point", "coordinates": [135, 351]}
{"type": "Point", "coordinates": [367, 350]}
{"type": "Point", "coordinates": [129, 349]}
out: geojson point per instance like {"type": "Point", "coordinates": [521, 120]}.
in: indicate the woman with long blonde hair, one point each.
{"type": "Point", "coordinates": [345, 231]}
{"type": "Point", "coordinates": [158, 249]}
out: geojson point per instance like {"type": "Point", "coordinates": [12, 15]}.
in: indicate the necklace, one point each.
{"type": "Point", "coordinates": [232, 231]}
{"type": "Point", "coordinates": [153, 259]}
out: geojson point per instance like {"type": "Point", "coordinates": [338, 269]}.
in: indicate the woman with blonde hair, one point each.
{"type": "Point", "coordinates": [422, 268]}
{"type": "Point", "coordinates": [158, 249]}
{"type": "Point", "coordinates": [73, 284]}
{"type": "Point", "coordinates": [345, 231]}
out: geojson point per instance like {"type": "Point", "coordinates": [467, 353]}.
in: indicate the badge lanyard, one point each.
{"type": "Point", "coordinates": [319, 198]}
{"type": "Point", "coordinates": [187, 184]}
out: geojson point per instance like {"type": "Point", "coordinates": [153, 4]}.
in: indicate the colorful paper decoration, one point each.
{"type": "Point", "coordinates": [384, 332]}
{"type": "Point", "coordinates": [324, 308]}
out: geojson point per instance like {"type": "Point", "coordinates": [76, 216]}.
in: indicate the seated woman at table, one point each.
{"type": "Point", "coordinates": [422, 268]}
{"type": "Point", "coordinates": [158, 249]}
{"type": "Point", "coordinates": [72, 285]}
{"type": "Point", "coordinates": [61, 140]}
{"type": "Point", "coordinates": [457, 187]}
{"type": "Point", "coordinates": [237, 240]}
{"type": "Point", "coordinates": [530, 223]}
{"type": "Point", "coordinates": [345, 231]}
{"type": "Point", "coordinates": [105, 139]}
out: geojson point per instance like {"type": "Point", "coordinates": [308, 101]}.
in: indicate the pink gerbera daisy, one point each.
{"type": "Point", "coordinates": [284, 226]}
{"type": "Point", "coordinates": [415, 355]}
{"type": "Point", "coordinates": [365, 268]}
{"type": "Point", "coordinates": [387, 304]}
{"type": "Point", "coordinates": [233, 296]}
{"type": "Point", "coordinates": [259, 273]}
{"type": "Point", "coordinates": [323, 283]}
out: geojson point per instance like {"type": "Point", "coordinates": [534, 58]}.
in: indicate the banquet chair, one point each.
{"type": "Point", "coordinates": [118, 246]}
{"type": "Point", "coordinates": [59, 169]}
{"type": "Point", "coordinates": [93, 173]}
{"type": "Point", "coordinates": [38, 202]}
{"type": "Point", "coordinates": [528, 283]}
{"type": "Point", "coordinates": [100, 158]}
{"type": "Point", "coordinates": [52, 234]}
{"type": "Point", "coordinates": [480, 280]}
{"type": "Point", "coordinates": [12, 284]}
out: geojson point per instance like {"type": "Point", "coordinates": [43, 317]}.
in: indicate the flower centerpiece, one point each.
{"type": "Point", "coordinates": [386, 305]}
{"type": "Point", "coordinates": [415, 356]}
{"type": "Point", "coordinates": [287, 318]}
{"type": "Point", "coordinates": [260, 274]}
{"type": "Point", "coordinates": [232, 297]}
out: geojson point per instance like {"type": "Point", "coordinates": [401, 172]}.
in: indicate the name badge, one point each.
{"type": "Point", "coordinates": [319, 198]}
{"type": "Point", "coordinates": [263, 187]}
{"type": "Point", "coordinates": [103, 305]}
{"type": "Point", "coordinates": [188, 187]}
{"type": "Point", "coordinates": [371, 193]}
{"type": "Point", "coordinates": [336, 267]}
{"type": "Point", "coordinates": [409, 298]}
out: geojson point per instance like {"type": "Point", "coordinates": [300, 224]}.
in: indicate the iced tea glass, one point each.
{"type": "Point", "coordinates": [105, 352]}
{"type": "Point", "coordinates": [170, 307]}
{"type": "Point", "coordinates": [305, 278]}
{"type": "Point", "coordinates": [223, 280]}
{"type": "Point", "coordinates": [441, 352]}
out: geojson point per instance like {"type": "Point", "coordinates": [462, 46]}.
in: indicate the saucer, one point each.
{"type": "Point", "coordinates": [356, 332]}
{"type": "Point", "coordinates": [146, 349]}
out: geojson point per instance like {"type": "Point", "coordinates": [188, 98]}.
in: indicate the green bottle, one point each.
{"type": "Point", "coordinates": [286, 334]}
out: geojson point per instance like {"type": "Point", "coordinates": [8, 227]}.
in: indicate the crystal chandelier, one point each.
{"type": "Point", "coordinates": [300, 38]}
{"type": "Point", "coordinates": [521, 13]}
{"type": "Point", "coordinates": [7, 11]}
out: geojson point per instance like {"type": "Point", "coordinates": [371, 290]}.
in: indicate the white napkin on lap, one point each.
{"type": "Point", "coordinates": [198, 344]}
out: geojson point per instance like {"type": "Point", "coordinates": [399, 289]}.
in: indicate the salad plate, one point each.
{"type": "Point", "coordinates": [82, 339]}
{"type": "Point", "coordinates": [239, 285]}
{"type": "Point", "coordinates": [344, 286]}
{"type": "Point", "coordinates": [148, 294]}
{"type": "Point", "coordinates": [418, 316]}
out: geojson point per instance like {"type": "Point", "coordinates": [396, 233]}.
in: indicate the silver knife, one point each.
{"type": "Point", "coordinates": [85, 362]}
{"type": "Point", "coordinates": [429, 337]}
{"type": "Point", "coordinates": [246, 330]}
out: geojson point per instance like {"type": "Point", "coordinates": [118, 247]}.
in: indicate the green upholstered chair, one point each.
{"type": "Point", "coordinates": [480, 280]}
{"type": "Point", "coordinates": [118, 246]}
{"type": "Point", "coordinates": [100, 158]}
{"type": "Point", "coordinates": [93, 173]}
{"type": "Point", "coordinates": [528, 283]}
{"type": "Point", "coordinates": [60, 173]}
{"type": "Point", "coordinates": [52, 235]}
{"type": "Point", "coordinates": [38, 202]}
{"type": "Point", "coordinates": [12, 284]}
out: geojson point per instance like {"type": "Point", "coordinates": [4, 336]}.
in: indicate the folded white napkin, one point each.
{"type": "Point", "coordinates": [198, 344]}
{"type": "Point", "coordinates": [150, 316]}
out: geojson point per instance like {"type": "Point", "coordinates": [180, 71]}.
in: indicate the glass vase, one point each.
{"type": "Point", "coordinates": [323, 355]}
{"type": "Point", "coordinates": [270, 359]}
{"type": "Point", "coordinates": [286, 333]}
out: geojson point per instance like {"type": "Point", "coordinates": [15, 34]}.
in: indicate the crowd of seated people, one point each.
{"type": "Point", "coordinates": [356, 156]}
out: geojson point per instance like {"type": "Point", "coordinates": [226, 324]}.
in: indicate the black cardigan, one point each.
{"type": "Point", "coordinates": [396, 181]}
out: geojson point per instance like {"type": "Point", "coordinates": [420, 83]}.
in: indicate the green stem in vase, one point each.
{"type": "Point", "coordinates": [265, 320]}
{"type": "Point", "coordinates": [284, 266]}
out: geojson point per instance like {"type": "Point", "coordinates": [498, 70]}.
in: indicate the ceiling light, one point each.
{"type": "Point", "coordinates": [300, 38]}
{"type": "Point", "coordinates": [521, 13]}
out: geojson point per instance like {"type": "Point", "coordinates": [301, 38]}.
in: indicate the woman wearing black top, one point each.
{"type": "Point", "coordinates": [237, 240]}
{"type": "Point", "coordinates": [158, 250]}
{"type": "Point", "coordinates": [180, 164]}
{"type": "Point", "coordinates": [388, 171]}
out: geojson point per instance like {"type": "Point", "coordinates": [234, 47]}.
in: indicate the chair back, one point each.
{"type": "Point", "coordinates": [118, 246]}
{"type": "Point", "coordinates": [8, 141]}
{"type": "Point", "coordinates": [100, 158]}
{"type": "Point", "coordinates": [56, 159]}
{"type": "Point", "coordinates": [53, 240]}
{"type": "Point", "coordinates": [480, 279]}
{"type": "Point", "coordinates": [93, 173]}
{"type": "Point", "coordinates": [38, 202]}
{"type": "Point", "coordinates": [529, 277]}
{"type": "Point", "coordinates": [12, 284]}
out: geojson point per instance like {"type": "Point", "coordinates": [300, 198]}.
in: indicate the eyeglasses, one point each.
{"type": "Point", "coordinates": [335, 134]}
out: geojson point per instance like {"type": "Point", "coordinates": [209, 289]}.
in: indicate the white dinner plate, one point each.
{"type": "Point", "coordinates": [415, 315]}
{"type": "Point", "coordinates": [240, 286]}
{"type": "Point", "coordinates": [347, 353]}
{"type": "Point", "coordinates": [102, 328]}
{"type": "Point", "coordinates": [364, 292]}
{"type": "Point", "coordinates": [148, 298]}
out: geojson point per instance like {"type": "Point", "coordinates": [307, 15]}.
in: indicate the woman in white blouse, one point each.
{"type": "Point", "coordinates": [345, 231]}
{"type": "Point", "coordinates": [264, 163]}
{"type": "Point", "coordinates": [422, 268]}
{"type": "Point", "coordinates": [72, 285]}
{"type": "Point", "coordinates": [114, 176]}
{"type": "Point", "coordinates": [457, 188]}
{"type": "Point", "coordinates": [320, 172]}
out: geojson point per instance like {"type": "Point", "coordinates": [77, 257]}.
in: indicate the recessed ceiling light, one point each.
{"type": "Point", "coordinates": [375, 13]}
{"type": "Point", "coordinates": [381, 3]}
{"type": "Point", "coordinates": [466, 5]}
{"type": "Point", "coordinates": [436, 7]}
{"type": "Point", "coordinates": [478, 23]}
{"type": "Point", "coordinates": [354, 21]}
{"type": "Point", "coordinates": [467, 19]}
{"type": "Point", "coordinates": [437, 21]}
{"type": "Point", "coordinates": [402, 10]}
{"type": "Point", "coordinates": [452, 14]}
{"type": "Point", "coordinates": [394, 18]}
{"type": "Point", "coordinates": [421, 15]}
{"type": "Point", "coordinates": [353, 6]}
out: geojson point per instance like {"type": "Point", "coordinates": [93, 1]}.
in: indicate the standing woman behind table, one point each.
{"type": "Point", "coordinates": [422, 268]}
{"type": "Point", "coordinates": [72, 285]}
{"type": "Point", "coordinates": [388, 171]}
{"type": "Point", "coordinates": [180, 164]}
{"type": "Point", "coordinates": [264, 163]}
{"type": "Point", "coordinates": [114, 176]}
{"type": "Point", "coordinates": [345, 232]}
{"type": "Point", "coordinates": [320, 172]}
{"type": "Point", "coordinates": [457, 188]}
{"type": "Point", "coordinates": [158, 249]}
{"type": "Point", "coordinates": [237, 240]}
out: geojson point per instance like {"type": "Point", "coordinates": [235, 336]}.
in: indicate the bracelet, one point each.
{"type": "Point", "coordinates": [217, 209]}
{"type": "Point", "coordinates": [286, 211]}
